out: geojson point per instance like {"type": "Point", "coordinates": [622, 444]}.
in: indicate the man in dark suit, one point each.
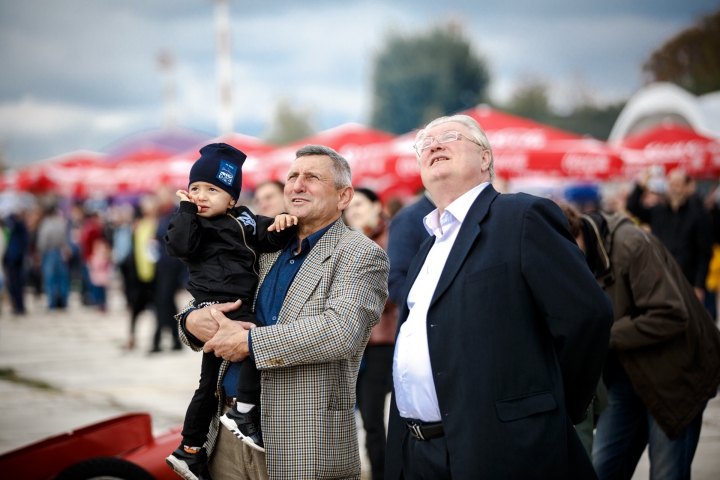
{"type": "Point", "coordinates": [504, 332]}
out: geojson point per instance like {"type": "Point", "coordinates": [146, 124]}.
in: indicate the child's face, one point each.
{"type": "Point", "coordinates": [210, 200]}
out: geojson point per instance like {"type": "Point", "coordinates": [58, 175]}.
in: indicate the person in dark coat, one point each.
{"type": "Point", "coordinates": [664, 360]}
{"type": "Point", "coordinates": [14, 260]}
{"type": "Point", "coordinates": [220, 244]}
{"type": "Point", "coordinates": [682, 225]}
{"type": "Point", "coordinates": [405, 236]}
{"type": "Point", "coordinates": [169, 275]}
{"type": "Point", "coordinates": [504, 333]}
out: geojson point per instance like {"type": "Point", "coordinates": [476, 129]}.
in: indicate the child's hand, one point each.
{"type": "Point", "coordinates": [183, 195]}
{"type": "Point", "coordinates": [282, 222]}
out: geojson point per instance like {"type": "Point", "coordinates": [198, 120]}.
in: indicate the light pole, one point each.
{"type": "Point", "coordinates": [224, 66]}
{"type": "Point", "coordinates": [166, 64]}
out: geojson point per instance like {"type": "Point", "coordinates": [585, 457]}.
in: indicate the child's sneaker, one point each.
{"type": "Point", "coordinates": [190, 466]}
{"type": "Point", "coordinates": [245, 426]}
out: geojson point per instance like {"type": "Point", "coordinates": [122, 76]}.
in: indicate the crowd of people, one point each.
{"type": "Point", "coordinates": [509, 351]}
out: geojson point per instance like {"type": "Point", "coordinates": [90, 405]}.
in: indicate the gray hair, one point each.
{"type": "Point", "coordinates": [475, 130]}
{"type": "Point", "coordinates": [340, 167]}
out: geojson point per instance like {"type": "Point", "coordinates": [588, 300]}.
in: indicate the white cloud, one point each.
{"type": "Point", "coordinates": [29, 117]}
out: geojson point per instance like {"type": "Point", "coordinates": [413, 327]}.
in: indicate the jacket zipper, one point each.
{"type": "Point", "coordinates": [242, 229]}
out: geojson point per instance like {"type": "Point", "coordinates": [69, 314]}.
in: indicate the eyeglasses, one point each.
{"type": "Point", "coordinates": [444, 137]}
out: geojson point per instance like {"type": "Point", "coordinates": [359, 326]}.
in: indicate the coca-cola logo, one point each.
{"type": "Point", "coordinates": [714, 151]}
{"type": "Point", "coordinates": [681, 151]}
{"type": "Point", "coordinates": [510, 161]}
{"type": "Point", "coordinates": [517, 138]}
{"type": "Point", "coordinates": [407, 166]}
{"type": "Point", "coordinates": [367, 159]}
{"type": "Point", "coordinates": [585, 163]}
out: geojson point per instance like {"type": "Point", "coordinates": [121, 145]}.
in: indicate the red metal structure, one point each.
{"type": "Point", "coordinates": [122, 448]}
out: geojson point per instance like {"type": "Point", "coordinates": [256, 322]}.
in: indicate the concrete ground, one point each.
{"type": "Point", "coordinates": [79, 353]}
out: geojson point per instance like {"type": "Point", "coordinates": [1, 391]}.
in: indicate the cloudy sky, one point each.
{"type": "Point", "coordinates": [81, 74]}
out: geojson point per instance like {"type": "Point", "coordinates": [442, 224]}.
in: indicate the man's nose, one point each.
{"type": "Point", "coordinates": [299, 184]}
{"type": "Point", "coordinates": [434, 145]}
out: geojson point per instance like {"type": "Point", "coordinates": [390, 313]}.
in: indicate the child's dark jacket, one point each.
{"type": "Point", "coordinates": [221, 253]}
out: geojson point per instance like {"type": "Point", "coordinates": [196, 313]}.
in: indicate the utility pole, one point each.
{"type": "Point", "coordinates": [166, 64]}
{"type": "Point", "coordinates": [224, 66]}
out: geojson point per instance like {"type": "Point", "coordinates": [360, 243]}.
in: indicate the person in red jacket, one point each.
{"type": "Point", "coordinates": [365, 213]}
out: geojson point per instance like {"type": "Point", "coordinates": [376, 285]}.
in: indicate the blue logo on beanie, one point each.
{"type": "Point", "coordinates": [226, 173]}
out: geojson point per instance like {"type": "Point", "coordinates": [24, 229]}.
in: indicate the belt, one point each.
{"type": "Point", "coordinates": [425, 431]}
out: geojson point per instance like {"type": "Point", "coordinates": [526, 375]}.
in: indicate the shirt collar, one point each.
{"type": "Point", "coordinates": [457, 210]}
{"type": "Point", "coordinates": [309, 241]}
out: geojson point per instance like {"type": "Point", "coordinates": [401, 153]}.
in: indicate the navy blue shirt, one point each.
{"type": "Point", "coordinates": [272, 293]}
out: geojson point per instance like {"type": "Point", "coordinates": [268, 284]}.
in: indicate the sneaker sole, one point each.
{"type": "Point", "coordinates": [180, 468]}
{"type": "Point", "coordinates": [232, 426]}
{"type": "Point", "coordinates": [252, 444]}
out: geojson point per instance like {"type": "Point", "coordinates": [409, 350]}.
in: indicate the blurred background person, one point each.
{"type": "Point", "coordinates": [365, 213]}
{"type": "Point", "coordinates": [18, 242]}
{"type": "Point", "coordinates": [100, 271]}
{"type": "Point", "coordinates": [712, 282]}
{"type": "Point", "coordinates": [54, 251]}
{"type": "Point", "coordinates": [3, 234]}
{"type": "Point", "coordinates": [33, 263]}
{"type": "Point", "coordinates": [76, 216]}
{"type": "Point", "coordinates": [169, 274]}
{"type": "Point", "coordinates": [268, 199]}
{"type": "Point", "coordinates": [680, 223]}
{"type": "Point", "coordinates": [122, 216]}
{"type": "Point", "coordinates": [141, 271]}
{"type": "Point", "coordinates": [664, 359]}
{"type": "Point", "coordinates": [91, 229]}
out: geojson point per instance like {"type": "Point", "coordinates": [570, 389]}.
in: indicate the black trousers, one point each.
{"type": "Point", "coordinates": [204, 403]}
{"type": "Point", "coordinates": [165, 308]}
{"type": "Point", "coordinates": [374, 383]}
{"type": "Point", "coordinates": [16, 285]}
{"type": "Point", "coordinates": [425, 459]}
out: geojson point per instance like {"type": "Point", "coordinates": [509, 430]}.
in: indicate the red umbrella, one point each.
{"type": "Point", "coordinates": [672, 146]}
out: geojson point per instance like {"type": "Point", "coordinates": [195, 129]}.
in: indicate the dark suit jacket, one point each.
{"type": "Point", "coordinates": [518, 330]}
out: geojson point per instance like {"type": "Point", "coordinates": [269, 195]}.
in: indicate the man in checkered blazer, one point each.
{"type": "Point", "coordinates": [319, 297]}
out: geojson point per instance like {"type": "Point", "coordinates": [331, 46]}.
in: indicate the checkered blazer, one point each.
{"type": "Point", "coordinates": [309, 360]}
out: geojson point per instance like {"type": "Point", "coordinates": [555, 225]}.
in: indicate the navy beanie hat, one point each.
{"type": "Point", "coordinates": [221, 165]}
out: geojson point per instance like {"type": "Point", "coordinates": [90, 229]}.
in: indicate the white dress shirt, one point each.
{"type": "Point", "coordinates": [412, 375]}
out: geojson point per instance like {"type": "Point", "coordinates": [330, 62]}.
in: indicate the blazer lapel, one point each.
{"type": "Point", "coordinates": [469, 231]}
{"type": "Point", "coordinates": [310, 273]}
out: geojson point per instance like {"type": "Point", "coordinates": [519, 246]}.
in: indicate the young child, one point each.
{"type": "Point", "coordinates": [220, 244]}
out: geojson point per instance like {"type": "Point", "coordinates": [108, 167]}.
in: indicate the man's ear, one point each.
{"type": "Point", "coordinates": [485, 160]}
{"type": "Point", "coordinates": [346, 195]}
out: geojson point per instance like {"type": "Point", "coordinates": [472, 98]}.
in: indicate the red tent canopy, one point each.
{"type": "Point", "coordinates": [525, 148]}
{"type": "Point", "coordinates": [138, 173]}
{"type": "Point", "coordinates": [521, 148]}
{"type": "Point", "coordinates": [672, 146]}
{"type": "Point", "coordinates": [353, 141]}
{"type": "Point", "coordinates": [59, 174]}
